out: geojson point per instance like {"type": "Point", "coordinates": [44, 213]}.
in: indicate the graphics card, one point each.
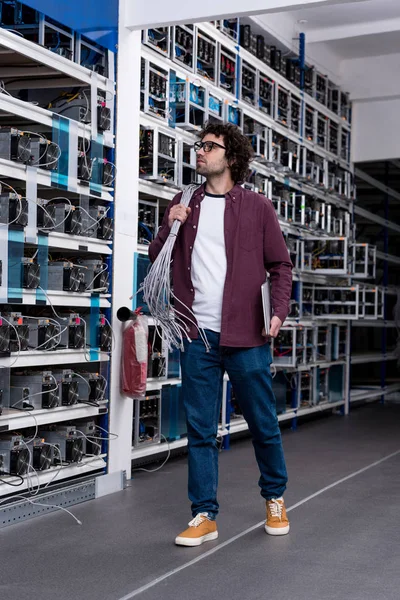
{"type": "Point", "coordinates": [68, 386]}
{"type": "Point", "coordinates": [14, 145]}
{"type": "Point", "coordinates": [65, 276]}
{"type": "Point", "coordinates": [14, 455]}
{"type": "Point", "coordinates": [13, 209]}
{"type": "Point", "coordinates": [33, 388]}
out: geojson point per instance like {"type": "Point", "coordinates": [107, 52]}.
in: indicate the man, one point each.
{"type": "Point", "coordinates": [228, 238]}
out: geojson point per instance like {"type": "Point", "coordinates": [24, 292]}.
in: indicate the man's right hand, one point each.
{"type": "Point", "coordinates": [179, 212]}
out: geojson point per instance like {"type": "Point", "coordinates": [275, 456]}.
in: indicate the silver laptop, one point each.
{"type": "Point", "coordinates": [266, 301]}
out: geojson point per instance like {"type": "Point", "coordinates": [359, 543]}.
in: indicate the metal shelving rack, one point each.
{"type": "Point", "coordinates": [61, 73]}
{"type": "Point", "coordinates": [311, 180]}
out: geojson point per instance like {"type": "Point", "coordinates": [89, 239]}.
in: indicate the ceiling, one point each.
{"type": "Point", "coordinates": [355, 29]}
{"type": "Point", "coordinates": [348, 13]}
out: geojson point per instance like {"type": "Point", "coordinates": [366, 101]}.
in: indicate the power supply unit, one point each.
{"type": "Point", "coordinates": [72, 334]}
{"type": "Point", "coordinates": [68, 386]}
{"type": "Point", "coordinates": [41, 454]}
{"type": "Point", "coordinates": [69, 442]}
{"type": "Point", "coordinates": [92, 441]}
{"type": "Point", "coordinates": [4, 336]}
{"type": "Point", "coordinates": [19, 333]}
{"type": "Point", "coordinates": [101, 226]}
{"type": "Point", "coordinates": [30, 274]}
{"type": "Point", "coordinates": [13, 210]}
{"type": "Point", "coordinates": [14, 456]}
{"type": "Point", "coordinates": [15, 145]}
{"type": "Point", "coordinates": [44, 334]}
{"type": "Point", "coordinates": [95, 276]}
{"type": "Point", "coordinates": [65, 276]}
{"type": "Point", "coordinates": [33, 388]}
{"type": "Point", "coordinates": [102, 336]}
{"type": "Point", "coordinates": [92, 387]}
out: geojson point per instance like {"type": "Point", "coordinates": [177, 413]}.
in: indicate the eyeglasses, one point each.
{"type": "Point", "coordinates": [207, 146]}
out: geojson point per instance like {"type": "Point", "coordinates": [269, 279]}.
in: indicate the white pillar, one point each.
{"type": "Point", "coordinates": [125, 237]}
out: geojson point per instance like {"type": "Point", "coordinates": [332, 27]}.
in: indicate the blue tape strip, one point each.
{"type": "Point", "coordinates": [173, 90]}
{"type": "Point", "coordinates": [16, 241]}
{"type": "Point", "coordinates": [94, 353]}
{"type": "Point", "coordinates": [97, 156]}
{"type": "Point", "coordinates": [60, 135]}
{"type": "Point", "coordinates": [43, 260]}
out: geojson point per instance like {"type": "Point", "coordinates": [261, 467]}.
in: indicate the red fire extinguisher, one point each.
{"type": "Point", "coordinates": [134, 353]}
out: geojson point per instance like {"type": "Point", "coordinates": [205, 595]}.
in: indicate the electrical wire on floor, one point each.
{"type": "Point", "coordinates": [161, 466]}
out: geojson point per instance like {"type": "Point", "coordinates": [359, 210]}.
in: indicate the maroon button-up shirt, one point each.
{"type": "Point", "coordinates": [254, 243]}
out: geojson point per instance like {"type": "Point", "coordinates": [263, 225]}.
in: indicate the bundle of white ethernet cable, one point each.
{"type": "Point", "coordinates": [158, 295]}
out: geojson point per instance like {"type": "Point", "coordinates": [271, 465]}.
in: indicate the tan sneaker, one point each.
{"type": "Point", "coordinates": [277, 522]}
{"type": "Point", "coordinates": [201, 529]}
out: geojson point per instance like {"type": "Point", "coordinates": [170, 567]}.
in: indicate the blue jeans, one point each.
{"type": "Point", "coordinates": [202, 378]}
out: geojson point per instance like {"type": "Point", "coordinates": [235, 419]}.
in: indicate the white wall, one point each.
{"type": "Point", "coordinates": [376, 130]}
{"type": "Point", "coordinates": [371, 78]}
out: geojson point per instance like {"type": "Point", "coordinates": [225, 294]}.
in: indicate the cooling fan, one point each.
{"type": "Point", "coordinates": [97, 389]}
{"type": "Point", "coordinates": [73, 223]}
{"type": "Point", "coordinates": [103, 118]}
{"type": "Point", "coordinates": [18, 211]}
{"type": "Point", "coordinates": [108, 174]}
{"type": "Point", "coordinates": [19, 461]}
{"type": "Point", "coordinates": [50, 159]}
{"type": "Point", "coordinates": [72, 278]}
{"type": "Point", "coordinates": [84, 168]}
{"type": "Point", "coordinates": [46, 216]}
{"type": "Point", "coordinates": [105, 341]}
{"type": "Point", "coordinates": [4, 337]}
{"type": "Point", "coordinates": [74, 450]}
{"type": "Point", "coordinates": [69, 393]}
{"type": "Point", "coordinates": [101, 280]}
{"type": "Point", "coordinates": [105, 229]}
{"type": "Point", "coordinates": [47, 337]}
{"type": "Point", "coordinates": [76, 337]}
{"type": "Point", "coordinates": [31, 275]}
{"type": "Point", "coordinates": [42, 457]}
{"type": "Point", "coordinates": [24, 149]}
{"type": "Point", "coordinates": [49, 396]}
{"type": "Point", "coordinates": [22, 341]}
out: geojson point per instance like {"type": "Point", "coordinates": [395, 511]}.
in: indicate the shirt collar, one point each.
{"type": "Point", "coordinates": [234, 194]}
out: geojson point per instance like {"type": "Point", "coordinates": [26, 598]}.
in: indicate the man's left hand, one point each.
{"type": "Point", "coordinates": [274, 327]}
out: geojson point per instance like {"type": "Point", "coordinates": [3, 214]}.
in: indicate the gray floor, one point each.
{"type": "Point", "coordinates": [344, 543]}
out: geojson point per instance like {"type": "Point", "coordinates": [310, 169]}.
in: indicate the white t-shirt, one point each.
{"type": "Point", "coordinates": [209, 263]}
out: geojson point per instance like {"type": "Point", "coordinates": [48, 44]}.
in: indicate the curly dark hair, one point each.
{"type": "Point", "coordinates": [239, 151]}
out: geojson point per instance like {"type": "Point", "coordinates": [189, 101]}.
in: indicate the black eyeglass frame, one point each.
{"type": "Point", "coordinates": [202, 146]}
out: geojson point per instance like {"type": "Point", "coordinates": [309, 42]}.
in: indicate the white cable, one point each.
{"type": "Point", "coordinates": [65, 218]}
{"type": "Point", "coordinates": [103, 289]}
{"type": "Point", "coordinates": [157, 293]}
{"type": "Point", "coordinates": [161, 466]}
{"type": "Point", "coordinates": [51, 305]}
{"type": "Point", "coordinates": [108, 439]}
{"type": "Point", "coordinates": [86, 382]}
{"type": "Point", "coordinates": [34, 503]}
{"type": "Point", "coordinates": [114, 344]}
{"type": "Point", "coordinates": [96, 221]}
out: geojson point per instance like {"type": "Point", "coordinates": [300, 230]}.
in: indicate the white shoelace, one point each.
{"type": "Point", "coordinates": [198, 519]}
{"type": "Point", "coordinates": [276, 508]}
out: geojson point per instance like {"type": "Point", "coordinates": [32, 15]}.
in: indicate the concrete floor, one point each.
{"type": "Point", "coordinates": [343, 543]}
